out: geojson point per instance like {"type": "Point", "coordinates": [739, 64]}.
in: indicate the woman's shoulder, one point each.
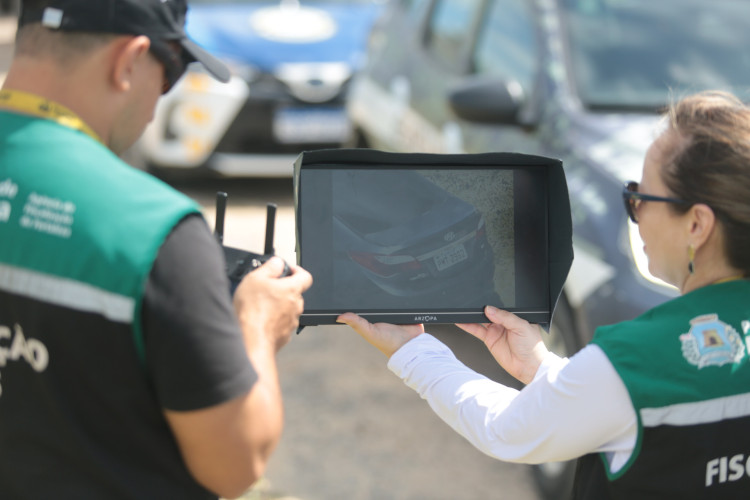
{"type": "Point", "coordinates": [728, 303]}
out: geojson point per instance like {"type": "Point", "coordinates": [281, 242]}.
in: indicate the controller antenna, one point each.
{"type": "Point", "coordinates": [270, 222]}
{"type": "Point", "coordinates": [221, 207]}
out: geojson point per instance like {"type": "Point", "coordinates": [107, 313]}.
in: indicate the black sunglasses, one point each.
{"type": "Point", "coordinates": [633, 199]}
{"type": "Point", "coordinates": [171, 55]}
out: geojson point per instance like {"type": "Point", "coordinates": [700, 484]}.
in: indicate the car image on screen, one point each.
{"type": "Point", "coordinates": [412, 240]}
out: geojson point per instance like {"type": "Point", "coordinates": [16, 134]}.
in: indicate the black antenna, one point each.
{"type": "Point", "coordinates": [270, 221]}
{"type": "Point", "coordinates": [221, 207]}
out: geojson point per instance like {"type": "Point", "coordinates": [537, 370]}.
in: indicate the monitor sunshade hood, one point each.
{"type": "Point", "coordinates": [431, 238]}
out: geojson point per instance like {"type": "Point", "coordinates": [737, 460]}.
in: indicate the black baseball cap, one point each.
{"type": "Point", "coordinates": [162, 21]}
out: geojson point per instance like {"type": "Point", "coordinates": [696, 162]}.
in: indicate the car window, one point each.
{"type": "Point", "coordinates": [449, 30]}
{"type": "Point", "coordinates": [507, 44]}
{"type": "Point", "coordinates": [642, 53]}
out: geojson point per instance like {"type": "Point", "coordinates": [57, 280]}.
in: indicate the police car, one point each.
{"type": "Point", "coordinates": [292, 61]}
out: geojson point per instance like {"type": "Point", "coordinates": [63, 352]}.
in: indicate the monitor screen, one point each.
{"type": "Point", "coordinates": [418, 243]}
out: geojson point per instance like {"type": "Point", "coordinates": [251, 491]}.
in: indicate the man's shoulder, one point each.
{"type": "Point", "coordinates": [40, 147]}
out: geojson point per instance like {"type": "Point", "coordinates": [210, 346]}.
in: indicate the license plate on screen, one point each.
{"type": "Point", "coordinates": [450, 257]}
{"type": "Point", "coordinates": [311, 125]}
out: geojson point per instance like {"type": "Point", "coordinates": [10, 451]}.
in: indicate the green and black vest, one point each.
{"type": "Point", "coordinates": [685, 365]}
{"type": "Point", "coordinates": [79, 232]}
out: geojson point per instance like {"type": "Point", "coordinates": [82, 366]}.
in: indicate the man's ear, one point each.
{"type": "Point", "coordinates": [127, 54]}
{"type": "Point", "coordinates": [702, 221]}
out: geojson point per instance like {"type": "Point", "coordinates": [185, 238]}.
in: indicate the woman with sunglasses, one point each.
{"type": "Point", "coordinates": [656, 407]}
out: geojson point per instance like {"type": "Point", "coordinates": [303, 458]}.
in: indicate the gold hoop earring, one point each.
{"type": "Point", "coordinates": [691, 256]}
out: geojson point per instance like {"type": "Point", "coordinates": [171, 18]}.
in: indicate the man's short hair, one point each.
{"type": "Point", "coordinates": [33, 40]}
{"type": "Point", "coordinates": [162, 21]}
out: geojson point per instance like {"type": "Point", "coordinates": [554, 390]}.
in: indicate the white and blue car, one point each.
{"type": "Point", "coordinates": [291, 63]}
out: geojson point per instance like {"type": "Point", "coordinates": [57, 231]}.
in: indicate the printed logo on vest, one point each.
{"type": "Point", "coordinates": [8, 189]}
{"type": "Point", "coordinates": [711, 342]}
{"type": "Point", "coordinates": [48, 215]}
{"type": "Point", "coordinates": [4, 211]}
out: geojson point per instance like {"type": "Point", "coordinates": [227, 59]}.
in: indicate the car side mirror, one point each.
{"type": "Point", "coordinates": [487, 100]}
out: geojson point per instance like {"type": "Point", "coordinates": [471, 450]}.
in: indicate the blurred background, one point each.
{"type": "Point", "coordinates": [579, 80]}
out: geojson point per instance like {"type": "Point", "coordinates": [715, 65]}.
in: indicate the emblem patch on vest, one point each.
{"type": "Point", "coordinates": [711, 342]}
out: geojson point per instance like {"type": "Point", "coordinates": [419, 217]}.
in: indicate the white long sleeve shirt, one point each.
{"type": "Point", "coordinates": [572, 407]}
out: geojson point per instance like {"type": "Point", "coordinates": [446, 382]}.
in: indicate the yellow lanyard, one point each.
{"type": "Point", "coordinates": [729, 278]}
{"type": "Point", "coordinates": [31, 104]}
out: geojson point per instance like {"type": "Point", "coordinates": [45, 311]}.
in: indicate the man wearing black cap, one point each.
{"type": "Point", "coordinates": [125, 369]}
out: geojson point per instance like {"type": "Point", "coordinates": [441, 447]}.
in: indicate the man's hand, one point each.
{"type": "Point", "coordinates": [227, 446]}
{"type": "Point", "coordinates": [386, 337]}
{"type": "Point", "coordinates": [514, 342]}
{"type": "Point", "coordinates": [268, 306]}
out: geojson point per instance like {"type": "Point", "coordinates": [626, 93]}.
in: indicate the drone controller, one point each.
{"type": "Point", "coordinates": [240, 262]}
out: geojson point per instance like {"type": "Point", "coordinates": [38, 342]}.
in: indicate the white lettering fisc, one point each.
{"type": "Point", "coordinates": [736, 467]}
{"type": "Point", "coordinates": [711, 471]}
{"type": "Point", "coordinates": [723, 469]}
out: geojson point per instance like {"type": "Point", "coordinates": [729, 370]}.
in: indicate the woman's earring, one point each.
{"type": "Point", "coordinates": [691, 256]}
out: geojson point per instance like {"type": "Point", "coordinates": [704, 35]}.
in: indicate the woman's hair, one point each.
{"type": "Point", "coordinates": [711, 164]}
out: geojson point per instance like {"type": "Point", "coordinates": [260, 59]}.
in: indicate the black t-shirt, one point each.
{"type": "Point", "coordinates": [192, 337]}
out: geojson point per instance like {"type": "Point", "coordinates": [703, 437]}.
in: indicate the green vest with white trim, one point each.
{"type": "Point", "coordinates": [79, 233]}
{"type": "Point", "coordinates": [79, 219]}
{"type": "Point", "coordinates": [686, 368]}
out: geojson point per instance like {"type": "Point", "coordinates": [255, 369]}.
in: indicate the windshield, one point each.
{"type": "Point", "coordinates": [641, 54]}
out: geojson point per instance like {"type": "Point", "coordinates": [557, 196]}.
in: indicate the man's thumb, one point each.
{"type": "Point", "coordinates": [272, 267]}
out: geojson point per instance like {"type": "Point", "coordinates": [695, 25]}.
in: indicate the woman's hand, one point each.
{"type": "Point", "coordinates": [514, 342]}
{"type": "Point", "coordinates": [386, 337]}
